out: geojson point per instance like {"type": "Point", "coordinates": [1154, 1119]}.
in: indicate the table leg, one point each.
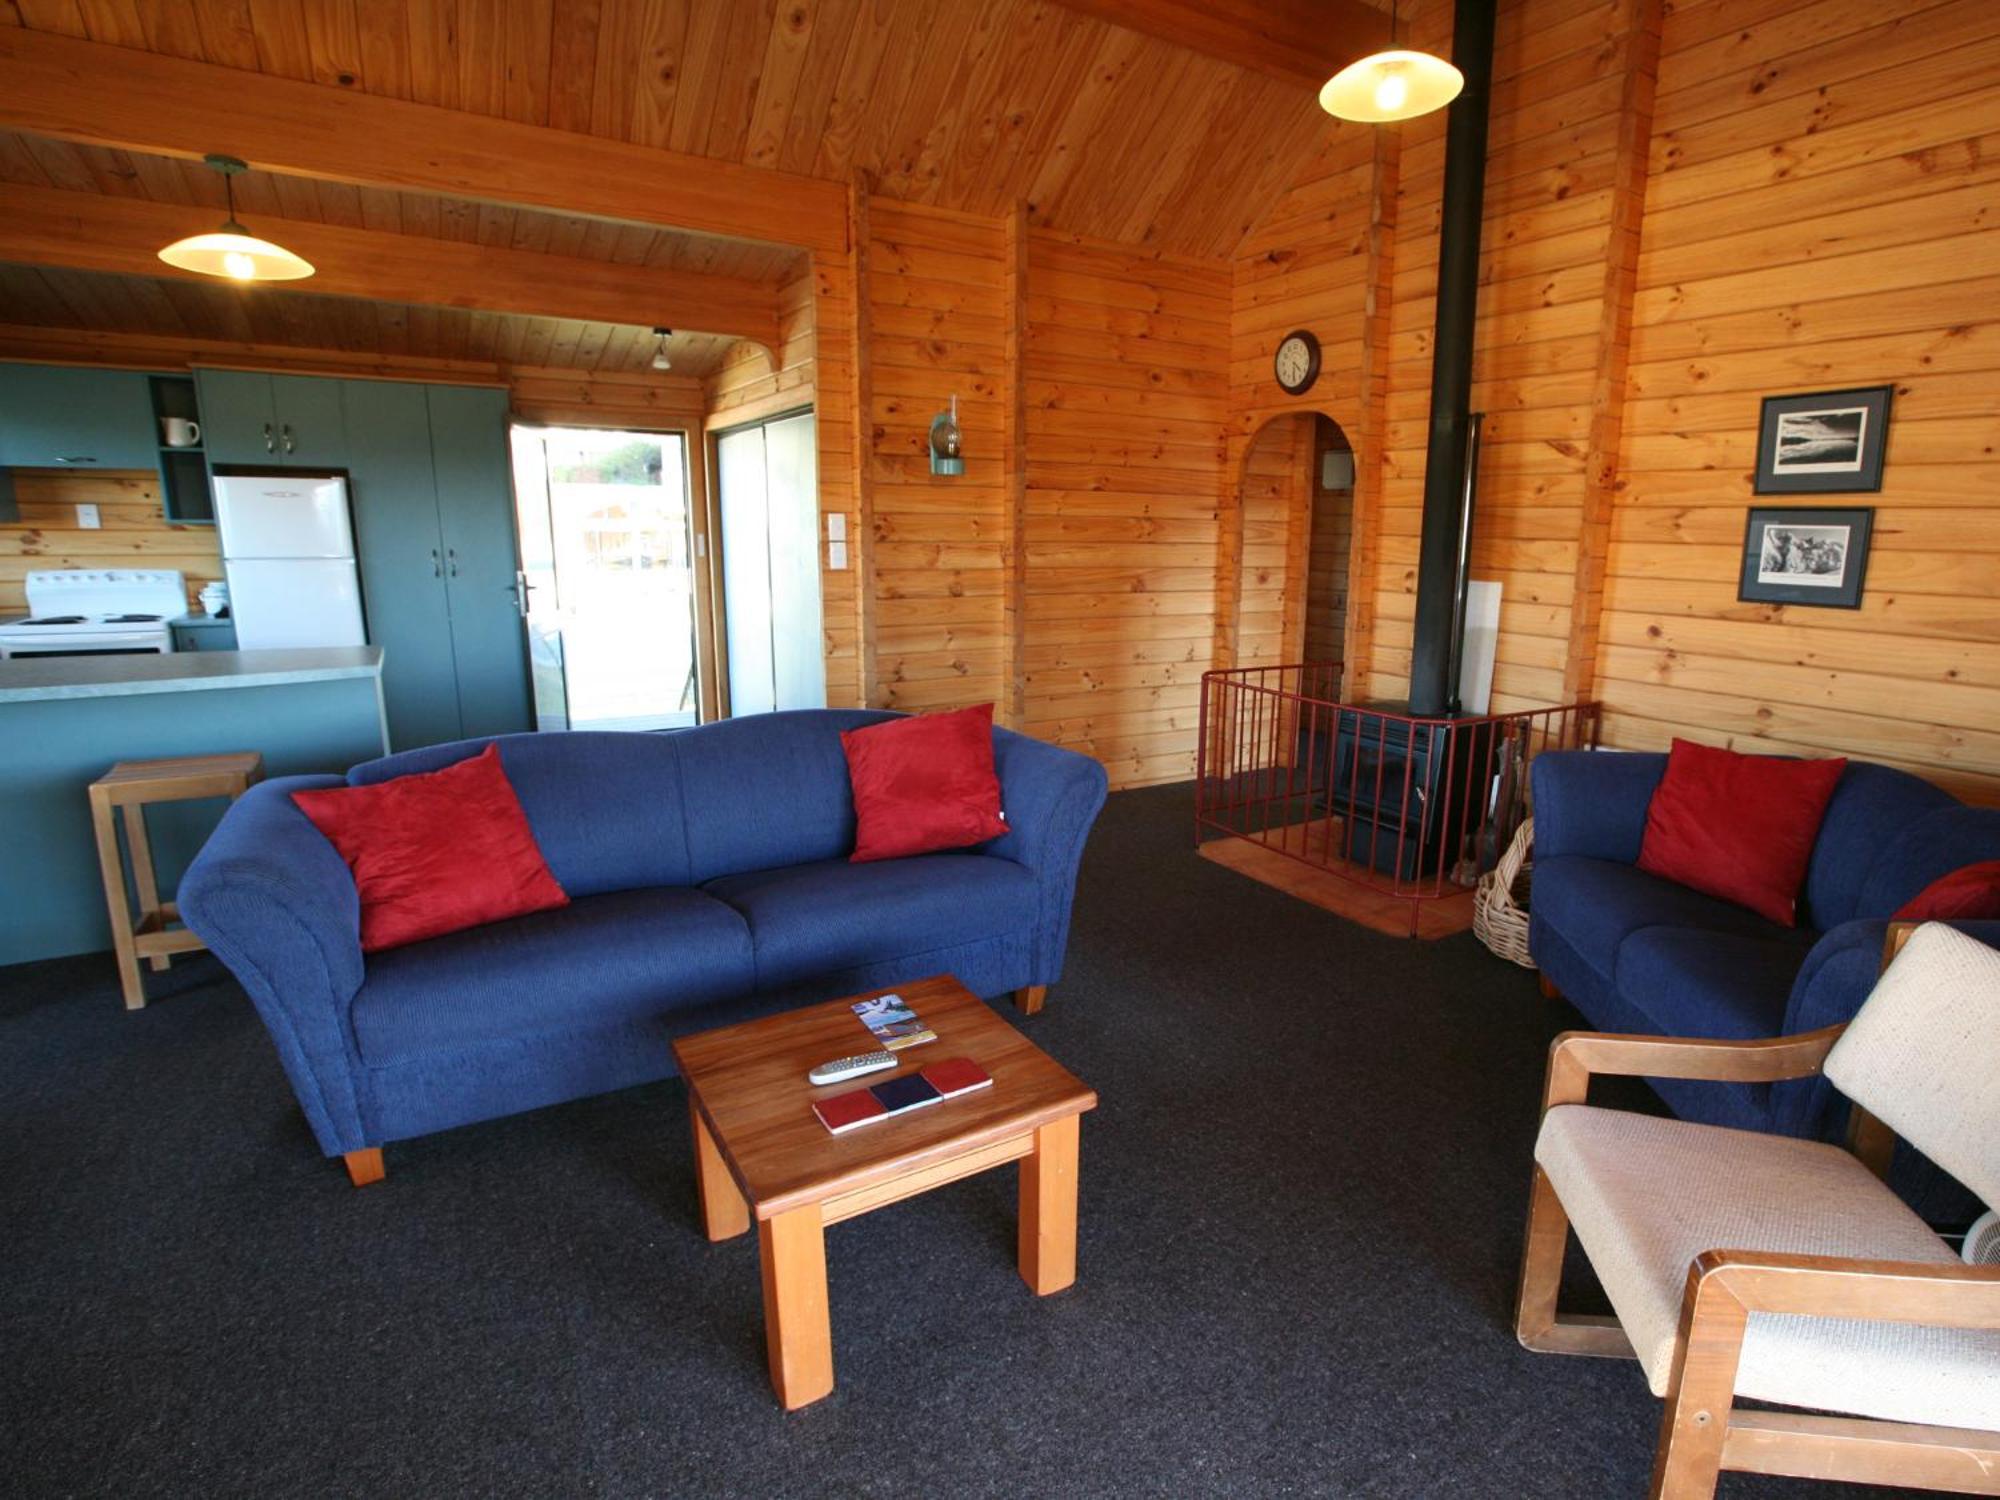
{"type": "Point", "coordinates": [144, 877]}
{"type": "Point", "coordinates": [1048, 1208]}
{"type": "Point", "coordinates": [724, 1214]}
{"type": "Point", "coordinates": [797, 1333]}
{"type": "Point", "coordinates": [113, 869]}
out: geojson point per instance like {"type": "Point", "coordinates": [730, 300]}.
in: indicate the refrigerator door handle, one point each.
{"type": "Point", "coordinates": [270, 441]}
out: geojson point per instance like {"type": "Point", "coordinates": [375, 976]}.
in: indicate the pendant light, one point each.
{"type": "Point", "coordinates": [1396, 84]}
{"type": "Point", "coordinates": [661, 359]}
{"type": "Point", "coordinates": [232, 252]}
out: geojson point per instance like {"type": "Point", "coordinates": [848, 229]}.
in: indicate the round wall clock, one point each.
{"type": "Point", "coordinates": [1296, 364]}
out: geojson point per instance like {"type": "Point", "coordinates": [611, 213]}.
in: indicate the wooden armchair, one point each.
{"type": "Point", "coordinates": [1840, 1299]}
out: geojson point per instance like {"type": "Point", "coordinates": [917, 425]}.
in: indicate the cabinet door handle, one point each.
{"type": "Point", "coordinates": [288, 437]}
{"type": "Point", "coordinates": [451, 557]}
{"type": "Point", "coordinates": [270, 442]}
{"type": "Point", "coordinates": [437, 568]}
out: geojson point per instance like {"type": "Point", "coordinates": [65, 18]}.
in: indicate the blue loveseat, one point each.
{"type": "Point", "coordinates": [1637, 953]}
{"type": "Point", "coordinates": [709, 881]}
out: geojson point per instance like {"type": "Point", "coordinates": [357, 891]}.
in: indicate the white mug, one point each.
{"type": "Point", "coordinates": [179, 432]}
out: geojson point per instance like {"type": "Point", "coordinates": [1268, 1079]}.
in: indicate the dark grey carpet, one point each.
{"type": "Point", "coordinates": [1301, 1215]}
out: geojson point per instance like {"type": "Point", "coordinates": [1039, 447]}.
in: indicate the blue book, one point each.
{"type": "Point", "coordinates": [910, 1091]}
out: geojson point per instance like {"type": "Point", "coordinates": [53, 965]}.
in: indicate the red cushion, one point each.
{"type": "Point", "coordinates": [1738, 826]}
{"type": "Point", "coordinates": [1970, 894]}
{"type": "Point", "coordinates": [436, 852]}
{"type": "Point", "coordinates": [923, 783]}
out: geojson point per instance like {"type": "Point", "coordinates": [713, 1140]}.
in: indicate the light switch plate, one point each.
{"type": "Point", "coordinates": [836, 526]}
{"type": "Point", "coordinates": [87, 518]}
{"type": "Point", "coordinates": [836, 555]}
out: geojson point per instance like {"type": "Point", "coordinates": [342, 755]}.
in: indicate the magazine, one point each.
{"type": "Point", "coordinates": [892, 1021]}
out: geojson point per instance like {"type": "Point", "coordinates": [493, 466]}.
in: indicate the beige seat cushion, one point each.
{"type": "Point", "coordinates": [1646, 1196]}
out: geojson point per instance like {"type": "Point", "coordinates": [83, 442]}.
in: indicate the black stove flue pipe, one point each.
{"type": "Point", "coordinates": [1432, 688]}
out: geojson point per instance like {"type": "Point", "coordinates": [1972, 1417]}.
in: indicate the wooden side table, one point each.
{"type": "Point", "coordinates": [761, 1153]}
{"type": "Point", "coordinates": [126, 788]}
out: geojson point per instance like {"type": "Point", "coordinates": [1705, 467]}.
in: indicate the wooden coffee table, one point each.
{"type": "Point", "coordinates": [760, 1149]}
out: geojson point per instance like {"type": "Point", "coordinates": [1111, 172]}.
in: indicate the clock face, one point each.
{"type": "Point", "coordinates": [1297, 362]}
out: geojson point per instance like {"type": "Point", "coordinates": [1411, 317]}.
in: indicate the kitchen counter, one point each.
{"type": "Point", "coordinates": [64, 720]}
{"type": "Point", "coordinates": [38, 678]}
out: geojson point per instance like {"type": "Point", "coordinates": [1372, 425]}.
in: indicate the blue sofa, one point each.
{"type": "Point", "coordinates": [1637, 953]}
{"type": "Point", "coordinates": [709, 881]}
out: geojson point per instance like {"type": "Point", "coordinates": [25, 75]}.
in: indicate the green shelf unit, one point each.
{"type": "Point", "coordinates": [184, 491]}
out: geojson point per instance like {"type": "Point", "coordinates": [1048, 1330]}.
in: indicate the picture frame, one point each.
{"type": "Point", "coordinates": [1806, 555]}
{"type": "Point", "coordinates": [1823, 442]}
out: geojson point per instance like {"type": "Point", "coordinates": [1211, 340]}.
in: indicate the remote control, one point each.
{"type": "Point", "coordinates": [842, 1068]}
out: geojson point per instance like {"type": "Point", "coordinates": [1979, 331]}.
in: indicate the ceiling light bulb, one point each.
{"type": "Point", "coordinates": [239, 265]}
{"type": "Point", "coordinates": [1392, 85]}
{"type": "Point", "coordinates": [661, 359]}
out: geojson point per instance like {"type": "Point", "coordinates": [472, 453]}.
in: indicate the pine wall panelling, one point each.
{"type": "Point", "coordinates": [133, 532]}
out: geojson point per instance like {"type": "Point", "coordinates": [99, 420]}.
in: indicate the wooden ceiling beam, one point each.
{"type": "Point", "coordinates": [93, 232]}
{"type": "Point", "coordinates": [86, 91]}
{"type": "Point", "coordinates": [1297, 41]}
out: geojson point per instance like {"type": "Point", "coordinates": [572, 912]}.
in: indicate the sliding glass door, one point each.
{"type": "Point", "coordinates": [767, 494]}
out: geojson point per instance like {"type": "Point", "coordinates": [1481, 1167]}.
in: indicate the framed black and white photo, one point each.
{"type": "Point", "coordinates": [1792, 555]}
{"type": "Point", "coordinates": [1823, 443]}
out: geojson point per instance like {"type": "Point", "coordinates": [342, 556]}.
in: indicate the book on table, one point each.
{"type": "Point", "coordinates": [902, 1094]}
{"type": "Point", "coordinates": [892, 1022]}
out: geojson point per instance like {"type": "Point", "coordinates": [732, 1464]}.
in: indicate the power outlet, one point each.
{"type": "Point", "coordinates": [87, 517]}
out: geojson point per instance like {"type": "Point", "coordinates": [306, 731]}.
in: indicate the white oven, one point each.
{"type": "Point", "coordinates": [96, 612]}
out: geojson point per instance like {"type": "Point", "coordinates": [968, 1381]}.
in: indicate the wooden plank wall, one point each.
{"type": "Point", "coordinates": [936, 327]}
{"type": "Point", "coordinates": [1125, 417]}
{"type": "Point", "coordinates": [134, 533]}
{"type": "Point", "coordinates": [1821, 212]}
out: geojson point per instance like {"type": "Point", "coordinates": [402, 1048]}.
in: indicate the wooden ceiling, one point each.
{"type": "Point", "coordinates": [967, 104]}
{"type": "Point", "coordinates": [41, 296]}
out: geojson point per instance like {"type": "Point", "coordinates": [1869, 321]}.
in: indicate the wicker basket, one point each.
{"type": "Point", "coordinates": [1500, 908]}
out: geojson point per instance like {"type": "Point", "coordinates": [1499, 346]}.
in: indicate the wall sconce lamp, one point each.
{"type": "Point", "coordinates": [946, 457]}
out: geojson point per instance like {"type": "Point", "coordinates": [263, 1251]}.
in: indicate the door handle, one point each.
{"type": "Point", "coordinates": [451, 560]}
{"type": "Point", "coordinates": [437, 568]}
{"type": "Point", "coordinates": [520, 588]}
{"type": "Point", "coordinates": [270, 440]}
{"type": "Point", "coordinates": [288, 437]}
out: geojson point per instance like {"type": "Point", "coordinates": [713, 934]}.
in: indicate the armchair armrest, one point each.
{"type": "Point", "coordinates": [276, 903]}
{"type": "Point", "coordinates": [1576, 1056]}
{"type": "Point", "coordinates": [1825, 1286]}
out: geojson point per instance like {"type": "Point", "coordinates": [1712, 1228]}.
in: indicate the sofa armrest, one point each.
{"type": "Point", "coordinates": [276, 903]}
{"type": "Point", "coordinates": [1593, 802]}
{"type": "Point", "coordinates": [1837, 976]}
{"type": "Point", "coordinates": [1051, 796]}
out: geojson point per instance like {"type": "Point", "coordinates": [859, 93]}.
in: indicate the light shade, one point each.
{"type": "Point", "coordinates": [236, 257]}
{"type": "Point", "coordinates": [1388, 86]}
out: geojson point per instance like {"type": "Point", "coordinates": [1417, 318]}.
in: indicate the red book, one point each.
{"type": "Point", "coordinates": [957, 1075]}
{"type": "Point", "coordinates": [843, 1112]}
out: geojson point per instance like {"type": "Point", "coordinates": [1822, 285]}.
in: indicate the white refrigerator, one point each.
{"type": "Point", "coordinates": [288, 549]}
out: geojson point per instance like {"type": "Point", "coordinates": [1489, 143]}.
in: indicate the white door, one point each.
{"type": "Point", "coordinates": [295, 602]}
{"type": "Point", "coordinates": [282, 516]}
{"type": "Point", "coordinates": [767, 486]}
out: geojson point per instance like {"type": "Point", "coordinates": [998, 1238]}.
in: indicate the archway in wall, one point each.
{"type": "Point", "coordinates": [1295, 561]}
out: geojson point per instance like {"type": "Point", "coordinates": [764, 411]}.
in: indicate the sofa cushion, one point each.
{"type": "Point", "coordinates": [1933, 846]}
{"type": "Point", "coordinates": [923, 784]}
{"type": "Point", "coordinates": [593, 842]}
{"type": "Point", "coordinates": [1867, 814]}
{"type": "Point", "coordinates": [812, 919]}
{"type": "Point", "coordinates": [600, 961]}
{"type": "Point", "coordinates": [1738, 826]}
{"type": "Point", "coordinates": [1691, 982]}
{"type": "Point", "coordinates": [435, 852]}
{"type": "Point", "coordinates": [1970, 894]}
{"type": "Point", "coordinates": [1595, 903]}
{"type": "Point", "coordinates": [768, 791]}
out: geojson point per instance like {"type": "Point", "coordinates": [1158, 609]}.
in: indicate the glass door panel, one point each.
{"type": "Point", "coordinates": [768, 496]}
{"type": "Point", "coordinates": [609, 577]}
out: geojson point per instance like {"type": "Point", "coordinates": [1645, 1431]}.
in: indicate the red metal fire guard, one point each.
{"type": "Point", "coordinates": [1415, 808]}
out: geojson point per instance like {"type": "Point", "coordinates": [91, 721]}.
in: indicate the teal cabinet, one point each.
{"type": "Point", "coordinates": [434, 533]}
{"type": "Point", "coordinates": [281, 421]}
{"type": "Point", "coordinates": [54, 416]}
{"type": "Point", "coordinates": [393, 490]}
{"type": "Point", "coordinates": [476, 521]}
{"type": "Point", "coordinates": [239, 421]}
{"type": "Point", "coordinates": [204, 633]}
